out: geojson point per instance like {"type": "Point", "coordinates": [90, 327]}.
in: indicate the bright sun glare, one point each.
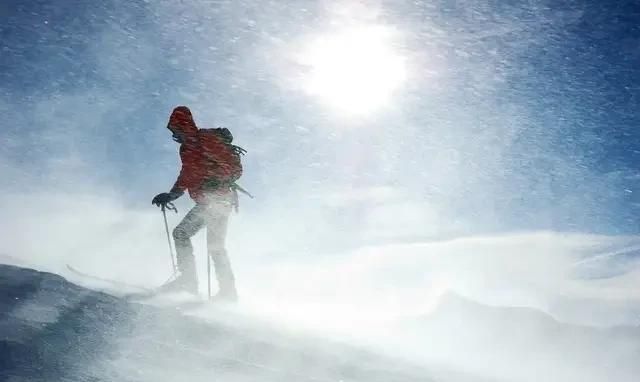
{"type": "Point", "coordinates": [355, 71]}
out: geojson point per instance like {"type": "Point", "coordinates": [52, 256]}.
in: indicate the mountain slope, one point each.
{"type": "Point", "coordinates": [522, 343]}
{"type": "Point", "coordinates": [54, 330]}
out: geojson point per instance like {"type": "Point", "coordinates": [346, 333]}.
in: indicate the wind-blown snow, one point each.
{"type": "Point", "coordinates": [498, 306]}
{"type": "Point", "coordinates": [54, 330]}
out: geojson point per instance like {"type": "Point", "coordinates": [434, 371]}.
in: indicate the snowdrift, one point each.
{"type": "Point", "coordinates": [53, 330]}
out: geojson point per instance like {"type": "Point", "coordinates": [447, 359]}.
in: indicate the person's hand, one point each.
{"type": "Point", "coordinates": [162, 199]}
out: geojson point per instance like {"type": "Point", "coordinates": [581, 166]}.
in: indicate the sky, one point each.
{"type": "Point", "coordinates": [397, 150]}
{"type": "Point", "coordinates": [505, 117]}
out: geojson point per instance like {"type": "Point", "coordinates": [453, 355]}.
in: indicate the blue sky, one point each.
{"type": "Point", "coordinates": [513, 117]}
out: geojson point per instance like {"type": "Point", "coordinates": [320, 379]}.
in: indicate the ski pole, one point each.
{"type": "Point", "coordinates": [171, 207]}
{"type": "Point", "coordinates": [209, 276]}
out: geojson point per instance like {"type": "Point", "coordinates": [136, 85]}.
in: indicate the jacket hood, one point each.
{"type": "Point", "coordinates": [181, 120]}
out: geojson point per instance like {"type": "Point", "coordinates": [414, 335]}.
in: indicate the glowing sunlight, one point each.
{"type": "Point", "coordinates": [355, 71]}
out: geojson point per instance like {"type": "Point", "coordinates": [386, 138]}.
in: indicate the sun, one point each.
{"type": "Point", "coordinates": [355, 71]}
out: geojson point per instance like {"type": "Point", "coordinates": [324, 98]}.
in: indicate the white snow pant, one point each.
{"type": "Point", "coordinates": [214, 215]}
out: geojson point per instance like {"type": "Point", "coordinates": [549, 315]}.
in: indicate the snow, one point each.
{"type": "Point", "coordinates": [100, 337]}
{"type": "Point", "coordinates": [516, 307]}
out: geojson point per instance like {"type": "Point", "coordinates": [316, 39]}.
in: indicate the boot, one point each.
{"type": "Point", "coordinates": [226, 280]}
{"type": "Point", "coordinates": [187, 279]}
{"type": "Point", "coordinates": [182, 283]}
{"type": "Point", "coordinates": [229, 296]}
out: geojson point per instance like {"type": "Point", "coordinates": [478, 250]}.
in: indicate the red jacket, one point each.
{"type": "Point", "coordinates": [204, 157]}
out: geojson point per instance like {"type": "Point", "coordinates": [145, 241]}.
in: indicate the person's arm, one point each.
{"type": "Point", "coordinates": [179, 187]}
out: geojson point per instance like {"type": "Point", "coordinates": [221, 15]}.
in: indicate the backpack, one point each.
{"type": "Point", "coordinates": [222, 159]}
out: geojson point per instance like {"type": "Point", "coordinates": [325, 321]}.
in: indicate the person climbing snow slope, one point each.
{"type": "Point", "coordinates": [211, 164]}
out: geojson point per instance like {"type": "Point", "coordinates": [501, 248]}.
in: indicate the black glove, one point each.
{"type": "Point", "coordinates": [162, 199]}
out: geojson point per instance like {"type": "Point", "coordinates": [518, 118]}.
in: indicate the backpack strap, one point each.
{"type": "Point", "coordinates": [237, 149]}
{"type": "Point", "coordinates": [234, 198]}
{"type": "Point", "coordinates": [236, 187]}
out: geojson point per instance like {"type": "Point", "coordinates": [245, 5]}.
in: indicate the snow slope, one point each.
{"type": "Point", "coordinates": [518, 343]}
{"type": "Point", "coordinates": [53, 330]}
{"type": "Point", "coordinates": [518, 307]}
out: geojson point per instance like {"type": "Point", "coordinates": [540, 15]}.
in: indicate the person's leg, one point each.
{"type": "Point", "coordinates": [217, 222]}
{"type": "Point", "coordinates": [189, 226]}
